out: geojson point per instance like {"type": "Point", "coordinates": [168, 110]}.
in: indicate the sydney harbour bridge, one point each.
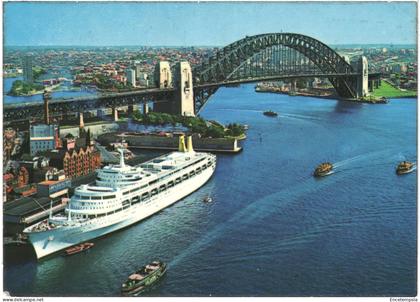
{"type": "Point", "coordinates": [185, 90]}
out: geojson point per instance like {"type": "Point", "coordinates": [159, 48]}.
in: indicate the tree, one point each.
{"type": "Point", "coordinates": [215, 132]}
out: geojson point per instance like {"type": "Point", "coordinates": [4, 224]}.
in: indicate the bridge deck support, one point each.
{"type": "Point", "coordinates": [130, 109]}
{"type": "Point", "coordinates": [46, 96]}
{"type": "Point", "coordinates": [145, 108]}
{"type": "Point", "coordinates": [81, 121]}
{"type": "Point", "coordinates": [115, 114]}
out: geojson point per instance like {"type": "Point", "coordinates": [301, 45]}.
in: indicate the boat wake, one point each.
{"type": "Point", "coordinates": [238, 109]}
{"type": "Point", "coordinates": [375, 159]}
{"type": "Point", "coordinates": [256, 210]}
{"type": "Point", "coordinates": [371, 157]}
{"type": "Point", "coordinates": [302, 117]}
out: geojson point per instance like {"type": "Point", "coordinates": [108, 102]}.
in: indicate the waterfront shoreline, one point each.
{"type": "Point", "coordinates": [151, 142]}
{"type": "Point", "coordinates": [329, 97]}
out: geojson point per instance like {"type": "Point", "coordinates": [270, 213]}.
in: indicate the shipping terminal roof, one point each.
{"type": "Point", "coordinates": [26, 205]}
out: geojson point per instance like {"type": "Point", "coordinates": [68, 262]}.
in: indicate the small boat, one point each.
{"type": "Point", "coordinates": [405, 167]}
{"type": "Point", "coordinates": [207, 199]}
{"type": "Point", "coordinates": [270, 113]}
{"type": "Point", "coordinates": [323, 169]}
{"type": "Point", "coordinates": [143, 278]}
{"type": "Point", "coordinates": [383, 100]}
{"type": "Point", "coordinates": [79, 248]}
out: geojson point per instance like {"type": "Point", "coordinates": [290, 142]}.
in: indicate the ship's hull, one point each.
{"type": "Point", "coordinates": [399, 172]}
{"type": "Point", "coordinates": [55, 240]}
{"type": "Point", "coordinates": [322, 174]}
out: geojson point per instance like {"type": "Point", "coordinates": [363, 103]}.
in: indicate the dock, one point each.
{"type": "Point", "coordinates": [20, 213]}
{"type": "Point", "coordinates": [161, 143]}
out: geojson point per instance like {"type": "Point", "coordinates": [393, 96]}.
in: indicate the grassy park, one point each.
{"type": "Point", "coordinates": [389, 91]}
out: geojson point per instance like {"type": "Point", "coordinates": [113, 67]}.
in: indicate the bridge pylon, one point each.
{"type": "Point", "coordinates": [184, 95]}
{"type": "Point", "coordinates": [362, 81]}
{"type": "Point", "coordinates": [163, 79]}
{"type": "Point", "coordinates": [163, 75]}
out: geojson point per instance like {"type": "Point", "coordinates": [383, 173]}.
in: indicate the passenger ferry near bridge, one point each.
{"type": "Point", "coordinates": [121, 196]}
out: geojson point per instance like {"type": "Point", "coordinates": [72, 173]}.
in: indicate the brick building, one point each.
{"type": "Point", "coordinates": [76, 162]}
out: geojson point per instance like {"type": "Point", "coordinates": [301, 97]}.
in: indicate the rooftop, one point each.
{"type": "Point", "coordinates": [25, 205]}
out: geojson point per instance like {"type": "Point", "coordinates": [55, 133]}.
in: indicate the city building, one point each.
{"type": "Point", "coordinates": [131, 76]}
{"type": "Point", "coordinates": [69, 142]}
{"type": "Point", "coordinates": [17, 180]}
{"type": "Point", "coordinates": [37, 168]}
{"type": "Point", "coordinates": [9, 136]}
{"type": "Point", "coordinates": [139, 69]}
{"type": "Point", "coordinates": [43, 138]}
{"type": "Point", "coordinates": [76, 162]}
{"type": "Point", "coordinates": [27, 69]}
{"type": "Point", "coordinates": [399, 68]}
{"type": "Point", "coordinates": [55, 185]}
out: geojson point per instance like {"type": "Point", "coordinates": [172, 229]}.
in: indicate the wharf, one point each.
{"type": "Point", "coordinates": [159, 143]}
{"type": "Point", "coordinates": [19, 213]}
{"type": "Point", "coordinates": [176, 148]}
{"type": "Point", "coordinates": [315, 93]}
{"type": "Point", "coordinates": [13, 241]}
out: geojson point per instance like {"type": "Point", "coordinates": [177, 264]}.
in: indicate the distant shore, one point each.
{"type": "Point", "coordinates": [379, 96]}
{"type": "Point", "coordinates": [36, 92]}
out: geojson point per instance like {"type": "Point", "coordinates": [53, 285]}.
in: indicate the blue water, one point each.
{"type": "Point", "coordinates": [272, 230]}
{"type": "Point", "coordinates": [7, 99]}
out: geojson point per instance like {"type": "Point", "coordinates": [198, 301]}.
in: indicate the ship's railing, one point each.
{"type": "Point", "coordinates": [42, 226]}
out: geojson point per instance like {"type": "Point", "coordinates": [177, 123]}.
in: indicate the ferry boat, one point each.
{"type": "Point", "coordinates": [143, 278]}
{"type": "Point", "coordinates": [270, 113]}
{"type": "Point", "coordinates": [323, 169]}
{"type": "Point", "coordinates": [123, 195]}
{"type": "Point", "coordinates": [405, 167]}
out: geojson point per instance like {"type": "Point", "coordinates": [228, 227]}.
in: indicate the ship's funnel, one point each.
{"type": "Point", "coordinates": [181, 146]}
{"type": "Point", "coordinates": [189, 144]}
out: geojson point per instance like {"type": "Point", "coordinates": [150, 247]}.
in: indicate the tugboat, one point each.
{"type": "Point", "coordinates": [143, 278]}
{"type": "Point", "coordinates": [79, 248]}
{"type": "Point", "coordinates": [323, 169]}
{"type": "Point", "coordinates": [270, 113]}
{"type": "Point", "coordinates": [405, 167]}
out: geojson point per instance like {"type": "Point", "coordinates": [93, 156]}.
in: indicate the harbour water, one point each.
{"type": "Point", "coordinates": [272, 229]}
{"type": "Point", "coordinates": [64, 92]}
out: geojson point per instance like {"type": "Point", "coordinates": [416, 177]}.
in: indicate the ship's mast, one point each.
{"type": "Point", "coordinates": [50, 209]}
{"type": "Point", "coordinates": [122, 164]}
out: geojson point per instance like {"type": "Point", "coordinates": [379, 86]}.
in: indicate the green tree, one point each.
{"type": "Point", "coordinates": [215, 132]}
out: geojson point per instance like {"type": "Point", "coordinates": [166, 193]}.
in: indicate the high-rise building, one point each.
{"type": "Point", "coordinates": [131, 76]}
{"type": "Point", "coordinates": [139, 69]}
{"type": "Point", "coordinates": [43, 137]}
{"type": "Point", "coordinates": [27, 69]}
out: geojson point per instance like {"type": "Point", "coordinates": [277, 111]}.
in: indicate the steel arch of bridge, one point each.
{"type": "Point", "coordinates": [221, 65]}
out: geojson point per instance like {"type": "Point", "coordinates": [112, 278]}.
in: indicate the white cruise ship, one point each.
{"type": "Point", "coordinates": [123, 195]}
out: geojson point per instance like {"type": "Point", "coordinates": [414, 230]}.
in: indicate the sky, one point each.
{"type": "Point", "coordinates": [204, 23]}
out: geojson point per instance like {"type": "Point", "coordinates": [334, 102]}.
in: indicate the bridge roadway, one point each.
{"type": "Point", "coordinates": [59, 107]}
{"type": "Point", "coordinates": [274, 78]}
